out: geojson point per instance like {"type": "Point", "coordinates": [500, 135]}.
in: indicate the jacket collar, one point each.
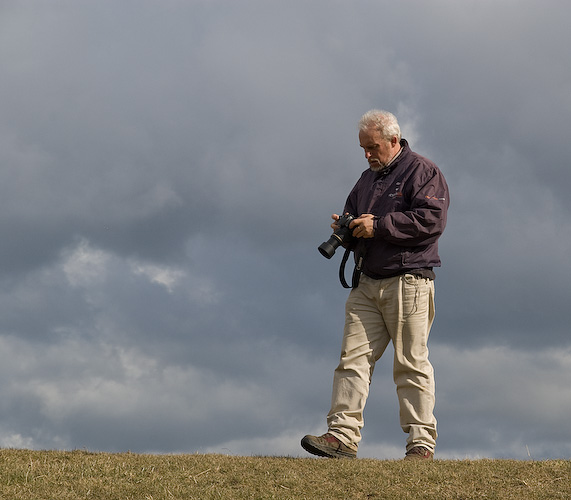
{"type": "Point", "coordinates": [395, 159]}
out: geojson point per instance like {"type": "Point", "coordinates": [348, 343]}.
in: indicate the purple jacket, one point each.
{"type": "Point", "coordinates": [409, 204]}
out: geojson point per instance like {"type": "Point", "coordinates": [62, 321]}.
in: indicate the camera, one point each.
{"type": "Point", "coordinates": [342, 235]}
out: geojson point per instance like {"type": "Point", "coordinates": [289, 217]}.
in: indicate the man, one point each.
{"type": "Point", "coordinates": [400, 205]}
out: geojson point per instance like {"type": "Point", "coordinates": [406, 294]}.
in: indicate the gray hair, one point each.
{"type": "Point", "coordinates": [383, 121]}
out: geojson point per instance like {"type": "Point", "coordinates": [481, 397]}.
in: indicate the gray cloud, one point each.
{"type": "Point", "coordinates": [169, 169]}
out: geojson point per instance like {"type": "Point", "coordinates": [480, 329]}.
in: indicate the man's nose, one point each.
{"type": "Point", "coordinates": [367, 154]}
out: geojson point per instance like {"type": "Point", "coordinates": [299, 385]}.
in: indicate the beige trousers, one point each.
{"type": "Point", "coordinates": [401, 310]}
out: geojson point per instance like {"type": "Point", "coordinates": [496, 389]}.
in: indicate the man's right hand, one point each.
{"type": "Point", "coordinates": [334, 225]}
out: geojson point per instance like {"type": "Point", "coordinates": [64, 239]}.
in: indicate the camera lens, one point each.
{"type": "Point", "coordinates": [327, 248]}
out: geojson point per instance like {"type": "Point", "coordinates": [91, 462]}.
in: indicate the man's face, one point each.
{"type": "Point", "coordinates": [378, 150]}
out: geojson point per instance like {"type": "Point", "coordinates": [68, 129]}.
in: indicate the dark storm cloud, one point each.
{"type": "Point", "coordinates": [169, 168]}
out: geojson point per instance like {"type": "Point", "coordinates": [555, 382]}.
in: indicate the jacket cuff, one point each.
{"type": "Point", "coordinates": [379, 227]}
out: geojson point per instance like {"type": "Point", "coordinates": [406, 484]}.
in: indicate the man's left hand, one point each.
{"type": "Point", "coordinates": [363, 226]}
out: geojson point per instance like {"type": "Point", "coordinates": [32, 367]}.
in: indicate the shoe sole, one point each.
{"type": "Point", "coordinates": [408, 458]}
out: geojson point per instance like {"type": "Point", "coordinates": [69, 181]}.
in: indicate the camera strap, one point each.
{"type": "Point", "coordinates": [356, 271]}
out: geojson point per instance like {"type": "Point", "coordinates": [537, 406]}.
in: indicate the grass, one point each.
{"type": "Point", "coordinates": [59, 475]}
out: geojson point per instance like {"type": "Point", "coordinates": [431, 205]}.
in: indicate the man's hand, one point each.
{"type": "Point", "coordinates": [363, 226]}
{"type": "Point", "coordinates": [334, 224]}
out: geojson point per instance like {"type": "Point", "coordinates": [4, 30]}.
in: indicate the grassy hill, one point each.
{"type": "Point", "coordinates": [58, 475]}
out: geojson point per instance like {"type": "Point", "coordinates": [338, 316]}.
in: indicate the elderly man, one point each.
{"type": "Point", "coordinates": [400, 205]}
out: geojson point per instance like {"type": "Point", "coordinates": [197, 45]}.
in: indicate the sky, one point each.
{"type": "Point", "coordinates": [168, 169]}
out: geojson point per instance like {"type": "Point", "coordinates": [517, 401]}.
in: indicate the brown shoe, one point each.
{"type": "Point", "coordinates": [327, 446]}
{"type": "Point", "coordinates": [419, 453]}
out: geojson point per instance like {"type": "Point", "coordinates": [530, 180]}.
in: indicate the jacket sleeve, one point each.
{"type": "Point", "coordinates": [424, 221]}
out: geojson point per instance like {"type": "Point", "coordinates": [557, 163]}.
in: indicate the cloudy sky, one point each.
{"type": "Point", "coordinates": [169, 167]}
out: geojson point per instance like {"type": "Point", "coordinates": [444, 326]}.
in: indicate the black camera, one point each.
{"type": "Point", "coordinates": [343, 234]}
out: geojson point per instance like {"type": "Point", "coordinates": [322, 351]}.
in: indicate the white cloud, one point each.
{"type": "Point", "coordinates": [162, 275]}
{"type": "Point", "coordinates": [84, 265]}
{"type": "Point", "coordinates": [504, 398]}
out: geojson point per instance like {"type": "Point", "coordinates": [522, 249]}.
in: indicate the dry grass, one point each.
{"type": "Point", "coordinates": [72, 475]}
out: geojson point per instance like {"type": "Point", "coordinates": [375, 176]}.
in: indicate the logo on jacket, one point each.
{"type": "Point", "coordinates": [397, 192]}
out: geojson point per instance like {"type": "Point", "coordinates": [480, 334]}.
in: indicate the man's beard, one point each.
{"type": "Point", "coordinates": [380, 168]}
{"type": "Point", "coordinates": [377, 166]}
